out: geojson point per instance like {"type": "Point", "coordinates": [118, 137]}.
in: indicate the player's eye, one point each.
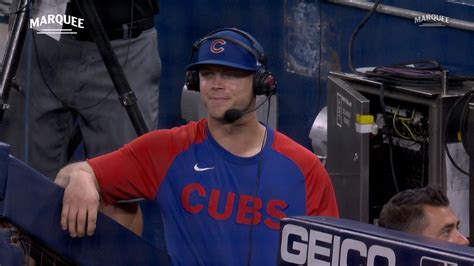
{"type": "Point", "coordinates": [206, 74]}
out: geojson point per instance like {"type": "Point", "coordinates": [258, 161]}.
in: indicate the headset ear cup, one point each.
{"type": "Point", "coordinates": [192, 80]}
{"type": "Point", "coordinates": [264, 83]}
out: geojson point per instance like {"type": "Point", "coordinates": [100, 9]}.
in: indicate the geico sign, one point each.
{"type": "Point", "coordinates": [307, 244]}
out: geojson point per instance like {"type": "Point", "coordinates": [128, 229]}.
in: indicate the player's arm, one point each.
{"type": "Point", "coordinates": [81, 202]}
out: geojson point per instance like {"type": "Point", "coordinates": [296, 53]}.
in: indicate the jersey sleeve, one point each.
{"type": "Point", "coordinates": [319, 193]}
{"type": "Point", "coordinates": [320, 196]}
{"type": "Point", "coordinates": [137, 169]}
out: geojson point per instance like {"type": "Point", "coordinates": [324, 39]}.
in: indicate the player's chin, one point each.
{"type": "Point", "coordinates": [217, 109]}
{"type": "Point", "coordinates": [216, 115]}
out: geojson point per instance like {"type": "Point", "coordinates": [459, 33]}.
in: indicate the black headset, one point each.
{"type": "Point", "coordinates": [264, 83]}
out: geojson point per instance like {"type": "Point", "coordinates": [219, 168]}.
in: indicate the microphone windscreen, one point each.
{"type": "Point", "coordinates": [231, 115]}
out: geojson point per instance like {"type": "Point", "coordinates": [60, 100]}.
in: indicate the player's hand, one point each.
{"type": "Point", "coordinates": [81, 199]}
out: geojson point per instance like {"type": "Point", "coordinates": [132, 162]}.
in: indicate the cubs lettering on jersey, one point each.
{"type": "Point", "coordinates": [213, 210]}
{"type": "Point", "coordinates": [248, 208]}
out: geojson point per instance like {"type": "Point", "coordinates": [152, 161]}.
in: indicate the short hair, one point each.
{"type": "Point", "coordinates": [405, 210]}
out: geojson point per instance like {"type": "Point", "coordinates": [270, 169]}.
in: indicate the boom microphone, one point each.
{"type": "Point", "coordinates": [234, 114]}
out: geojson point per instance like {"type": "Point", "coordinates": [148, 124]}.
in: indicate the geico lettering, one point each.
{"type": "Point", "coordinates": [379, 251]}
{"type": "Point", "coordinates": [250, 209]}
{"type": "Point", "coordinates": [301, 247]}
{"type": "Point", "coordinates": [352, 244]}
{"type": "Point", "coordinates": [315, 237]}
{"type": "Point", "coordinates": [299, 250]}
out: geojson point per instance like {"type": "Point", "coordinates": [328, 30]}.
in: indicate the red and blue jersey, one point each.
{"type": "Point", "coordinates": [214, 211]}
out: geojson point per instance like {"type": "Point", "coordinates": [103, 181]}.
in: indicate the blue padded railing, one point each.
{"type": "Point", "coordinates": [32, 203]}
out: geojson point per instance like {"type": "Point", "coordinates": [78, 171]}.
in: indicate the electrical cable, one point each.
{"type": "Point", "coordinates": [320, 58]}
{"type": "Point", "coordinates": [390, 141]}
{"type": "Point", "coordinates": [356, 31]}
{"type": "Point", "coordinates": [467, 97]}
{"type": "Point", "coordinates": [71, 106]}
{"type": "Point", "coordinates": [462, 121]}
{"type": "Point", "coordinates": [420, 73]}
{"type": "Point", "coordinates": [129, 33]}
{"type": "Point", "coordinates": [257, 181]}
{"type": "Point", "coordinates": [68, 105]}
{"type": "Point", "coordinates": [423, 165]}
{"type": "Point", "coordinates": [409, 130]}
{"type": "Point", "coordinates": [395, 126]}
{"type": "Point", "coordinates": [406, 118]}
{"type": "Point", "coordinates": [403, 121]}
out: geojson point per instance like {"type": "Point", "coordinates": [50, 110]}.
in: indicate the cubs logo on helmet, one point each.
{"type": "Point", "coordinates": [217, 46]}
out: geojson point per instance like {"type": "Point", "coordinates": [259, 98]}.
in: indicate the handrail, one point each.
{"type": "Point", "coordinates": [402, 12]}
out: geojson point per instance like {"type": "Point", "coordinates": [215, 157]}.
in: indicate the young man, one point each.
{"type": "Point", "coordinates": [222, 183]}
{"type": "Point", "coordinates": [424, 211]}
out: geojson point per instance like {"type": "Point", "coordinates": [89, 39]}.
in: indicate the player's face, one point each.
{"type": "Point", "coordinates": [223, 88]}
{"type": "Point", "coordinates": [443, 225]}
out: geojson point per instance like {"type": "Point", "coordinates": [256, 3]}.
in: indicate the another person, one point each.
{"type": "Point", "coordinates": [72, 96]}
{"type": "Point", "coordinates": [423, 211]}
{"type": "Point", "coordinates": [222, 183]}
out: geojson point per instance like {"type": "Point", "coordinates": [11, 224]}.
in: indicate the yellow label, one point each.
{"type": "Point", "coordinates": [364, 119]}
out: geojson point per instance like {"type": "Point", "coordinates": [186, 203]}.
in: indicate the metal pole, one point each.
{"type": "Point", "coordinates": [12, 54]}
{"type": "Point", "coordinates": [402, 12]}
{"type": "Point", "coordinates": [126, 95]}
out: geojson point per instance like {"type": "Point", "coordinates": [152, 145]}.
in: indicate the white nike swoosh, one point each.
{"type": "Point", "coordinates": [199, 169]}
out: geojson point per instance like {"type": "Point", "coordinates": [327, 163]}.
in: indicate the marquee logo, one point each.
{"type": "Point", "coordinates": [59, 19]}
{"type": "Point", "coordinates": [431, 20]}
